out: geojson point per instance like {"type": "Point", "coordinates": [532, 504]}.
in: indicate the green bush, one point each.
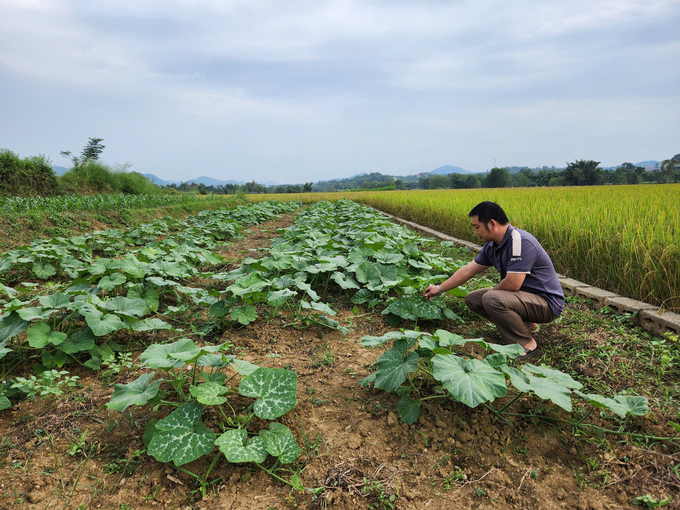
{"type": "Point", "coordinates": [96, 177]}
{"type": "Point", "coordinates": [26, 177]}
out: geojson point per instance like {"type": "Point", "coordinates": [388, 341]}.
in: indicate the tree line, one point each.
{"type": "Point", "coordinates": [578, 173]}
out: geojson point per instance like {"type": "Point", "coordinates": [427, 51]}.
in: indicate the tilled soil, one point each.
{"type": "Point", "coordinates": [353, 444]}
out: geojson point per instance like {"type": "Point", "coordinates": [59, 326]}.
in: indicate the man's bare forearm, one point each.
{"type": "Point", "coordinates": [458, 278]}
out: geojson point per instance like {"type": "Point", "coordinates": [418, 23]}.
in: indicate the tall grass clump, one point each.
{"type": "Point", "coordinates": [625, 239]}
{"type": "Point", "coordinates": [32, 176]}
{"type": "Point", "coordinates": [93, 177]}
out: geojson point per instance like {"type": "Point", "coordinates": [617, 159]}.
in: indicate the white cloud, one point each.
{"type": "Point", "coordinates": [323, 89]}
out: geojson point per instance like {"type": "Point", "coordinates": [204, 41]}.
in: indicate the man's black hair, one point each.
{"type": "Point", "coordinates": [487, 211]}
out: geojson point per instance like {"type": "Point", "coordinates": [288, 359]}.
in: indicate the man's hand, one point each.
{"type": "Point", "coordinates": [462, 275]}
{"type": "Point", "coordinates": [431, 292]}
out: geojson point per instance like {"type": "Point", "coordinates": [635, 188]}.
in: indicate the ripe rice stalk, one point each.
{"type": "Point", "coordinates": [625, 239]}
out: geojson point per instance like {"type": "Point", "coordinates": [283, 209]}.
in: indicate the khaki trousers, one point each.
{"type": "Point", "coordinates": [509, 311]}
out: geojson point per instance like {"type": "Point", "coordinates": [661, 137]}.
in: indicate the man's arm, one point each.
{"type": "Point", "coordinates": [458, 278]}
{"type": "Point", "coordinates": [512, 282]}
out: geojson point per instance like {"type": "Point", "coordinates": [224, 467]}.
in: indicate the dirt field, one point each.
{"type": "Point", "coordinates": [72, 452]}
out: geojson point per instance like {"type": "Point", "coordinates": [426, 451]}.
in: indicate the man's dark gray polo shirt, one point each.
{"type": "Point", "coordinates": [520, 252]}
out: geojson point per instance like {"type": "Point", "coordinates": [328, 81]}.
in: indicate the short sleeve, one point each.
{"type": "Point", "coordinates": [483, 258]}
{"type": "Point", "coordinates": [523, 261]}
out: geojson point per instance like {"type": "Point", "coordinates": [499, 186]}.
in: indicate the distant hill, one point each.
{"type": "Point", "coordinates": [448, 169]}
{"type": "Point", "coordinates": [641, 163]}
{"type": "Point", "coordinates": [60, 170]}
{"type": "Point", "coordinates": [209, 181]}
{"type": "Point", "coordinates": [158, 180]}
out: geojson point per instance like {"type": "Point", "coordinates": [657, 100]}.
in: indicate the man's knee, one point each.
{"type": "Point", "coordinates": [493, 300]}
{"type": "Point", "coordinates": [474, 300]}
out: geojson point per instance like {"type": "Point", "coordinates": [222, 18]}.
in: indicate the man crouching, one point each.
{"type": "Point", "coordinates": [528, 292]}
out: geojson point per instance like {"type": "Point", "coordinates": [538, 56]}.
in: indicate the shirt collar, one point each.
{"type": "Point", "coordinates": [507, 235]}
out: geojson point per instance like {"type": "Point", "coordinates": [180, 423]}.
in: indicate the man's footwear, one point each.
{"type": "Point", "coordinates": [533, 326]}
{"type": "Point", "coordinates": [529, 354]}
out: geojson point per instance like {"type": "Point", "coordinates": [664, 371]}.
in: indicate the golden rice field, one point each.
{"type": "Point", "coordinates": [625, 239]}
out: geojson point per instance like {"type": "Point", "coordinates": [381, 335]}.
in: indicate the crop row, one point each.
{"type": "Point", "coordinates": [341, 248]}
{"type": "Point", "coordinates": [140, 279]}
{"type": "Point", "coordinates": [623, 239]}
{"type": "Point", "coordinates": [91, 202]}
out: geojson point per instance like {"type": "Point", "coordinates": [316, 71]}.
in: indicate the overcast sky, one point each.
{"type": "Point", "coordinates": [296, 91]}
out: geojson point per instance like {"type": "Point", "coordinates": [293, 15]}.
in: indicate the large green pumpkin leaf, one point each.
{"type": "Point", "coordinates": [41, 335]}
{"type": "Point", "coordinates": [448, 339]}
{"type": "Point", "coordinates": [35, 312]}
{"type": "Point", "coordinates": [413, 308]}
{"type": "Point", "coordinates": [468, 380]}
{"type": "Point", "coordinates": [237, 448]}
{"type": "Point", "coordinates": [78, 342]}
{"type": "Point", "coordinates": [57, 300]}
{"type": "Point", "coordinates": [4, 403]}
{"type": "Point", "coordinates": [345, 281]}
{"type": "Point", "coordinates": [209, 393]}
{"type": "Point", "coordinates": [318, 306]}
{"type": "Point", "coordinates": [308, 289]}
{"type": "Point", "coordinates": [553, 375]}
{"type": "Point", "coordinates": [108, 283]}
{"type": "Point", "coordinates": [132, 266]}
{"type": "Point", "coordinates": [43, 270]}
{"type": "Point", "coordinates": [98, 267]}
{"type": "Point", "coordinates": [372, 341]}
{"type": "Point", "coordinates": [11, 325]}
{"type": "Point", "coordinates": [621, 405]}
{"type": "Point", "coordinates": [633, 404]}
{"type": "Point", "coordinates": [137, 392]}
{"type": "Point", "coordinates": [4, 350]}
{"type": "Point", "coordinates": [151, 324]}
{"type": "Point", "coordinates": [542, 387]}
{"type": "Point", "coordinates": [159, 355]}
{"type": "Point", "coordinates": [243, 367]}
{"type": "Point", "coordinates": [368, 273]}
{"type": "Point", "coordinates": [126, 306]}
{"type": "Point", "coordinates": [394, 365]}
{"type": "Point", "coordinates": [103, 325]}
{"type": "Point", "coordinates": [281, 443]}
{"type": "Point", "coordinates": [388, 258]}
{"type": "Point", "coordinates": [277, 298]}
{"type": "Point", "coordinates": [182, 437]}
{"type": "Point", "coordinates": [408, 410]}
{"type": "Point", "coordinates": [362, 296]}
{"type": "Point", "coordinates": [275, 389]}
{"type": "Point", "coordinates": [249, 284]}
{"type": "Point", "coordinates": [244, 314]}
{"type": "Point", "coordinates": [359, 254]}
{"type": "Point", "coordinates": [388, 274]}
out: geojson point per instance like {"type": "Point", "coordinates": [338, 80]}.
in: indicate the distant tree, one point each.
{"type": "Point", "coordinates": [543, 177]}
{"type": "Point", "coordinates": [584, 172]}
{"type": "Point", "coordinates": [307, 188]}
{"type": "Point", "coordinates": [524, 178]}
{"type": "Point", "coordinates": [90, 152]}
{"type": "Point", "coordinates": [399, 184]}
{"type": "Point", "coordinates": [497, 178]}
{"type": "Point", "coordinates": [669, 168]}
{"type": "Point", "coordinates": [557, 181]}
{"type": "Point", "coordinates": [472, 182]}
{"type": "Point", "coordinates": [254, 187]}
